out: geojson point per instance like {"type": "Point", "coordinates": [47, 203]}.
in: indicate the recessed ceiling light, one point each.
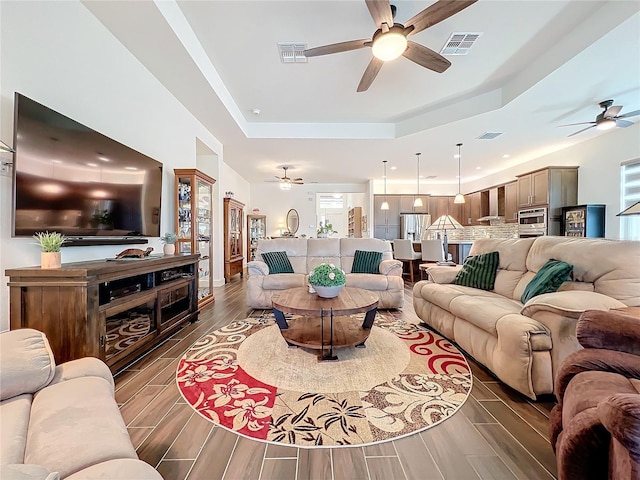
{"type": "Point", "coordinates": [256, 111]}
{"type": "Point", "coordinates": [56, 161]}
{"type": "Point", "coordinates": [506, 155]}
{"type": "Point", "coordinates": [393, 168]}
{"type": "Point", "coordinates": [130, 168]}
{"type": "Point", "coordinates": [456, 156]}
{"type": "Point", "coordinates": [104, 159]}
{"type": "Point", "coordinates": [91, 165]}
{"type": "Point", "coordinates": [478, 168]}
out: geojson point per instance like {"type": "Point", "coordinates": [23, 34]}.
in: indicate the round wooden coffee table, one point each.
{"type": "Point", "coordinates": [326, 323]}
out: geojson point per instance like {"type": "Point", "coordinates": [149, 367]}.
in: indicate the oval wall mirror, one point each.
{"type": "Point", "coordinates": [293, 221]}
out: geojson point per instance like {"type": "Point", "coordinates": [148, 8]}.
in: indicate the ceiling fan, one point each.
{"type": "Point", "coordinates": [390, 40]}
{"type": "Point", "coordinates": [607, 119]}
{"type": "Point", "coordinates": [286, 182]}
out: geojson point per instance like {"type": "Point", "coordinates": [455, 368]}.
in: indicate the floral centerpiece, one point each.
{"type": "Point", "coordinates": [325, 229]}
{"type": "Point", "coordinates": [327, 280]}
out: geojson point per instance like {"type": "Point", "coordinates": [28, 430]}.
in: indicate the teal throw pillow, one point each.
{"type": "Point", "coordinates": [548, 279]}
{"type": "Point", "coordinates": [278, 262]}
{"type": "Point", "coordinates": [366, 262]}
{"type": "Point", "coordinates": [479, 271]}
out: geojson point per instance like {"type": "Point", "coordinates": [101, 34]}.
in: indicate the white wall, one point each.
{"type": "Point", "coordinates": [59, 54]}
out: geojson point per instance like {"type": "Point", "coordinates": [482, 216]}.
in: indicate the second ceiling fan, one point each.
{"type": "Point", "coordinates": [390, 40]}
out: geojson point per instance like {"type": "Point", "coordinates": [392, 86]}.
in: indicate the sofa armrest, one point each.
{"type": "Point", "coordinates": [257, 267]}
{"type": "Point", "coordinates": [391, 267]}
{"type": "Point", "coordinates": [569, 304]}
{"type": "Point", "coordinates": [443, 274]}
{"type": "Point", "coordinates": [26, 362]}
{"type": "Point", "coordinates": [620, 415]}
{"type": "Point", "coordinates": [595, 359]}
{"type": "Point", "coordinates": [611, 330]}
{"type": "Point", "coordinates": [26, 471]}
{"type": "Point", "coordinates": [82, 367]}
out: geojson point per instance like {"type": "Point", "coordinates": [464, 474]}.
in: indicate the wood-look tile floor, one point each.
{"type": "Point", "coordinates": [498, 434]}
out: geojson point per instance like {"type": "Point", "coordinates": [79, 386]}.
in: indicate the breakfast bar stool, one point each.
{"type": "Point", "coordinates": [403, 251]}
{"type": "Point", "coordinates": [432, 252]}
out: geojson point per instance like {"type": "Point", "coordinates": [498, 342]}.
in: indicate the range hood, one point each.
{"type": "Point", "coordinates": [493, 207]}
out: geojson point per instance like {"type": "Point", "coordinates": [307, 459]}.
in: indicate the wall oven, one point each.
{"type": "Point", "coordinates": [532, 222]}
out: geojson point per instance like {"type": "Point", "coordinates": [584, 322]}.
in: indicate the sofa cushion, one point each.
{"type": "Point", "coordinates": [366, 262]}
{"type": "Point", "coordinates": [283, 281]}
{"type": "Point", "coordinates": [484, 311]}
{"type": "Point", "coordinates": [548, 279]}
{"type": "Point", "coordinates": [479, 271]}
{"type": "Point", "coordinates": [14, 413]}
{"type": "Point", "coordinates": [27, 362]}
{"type": "Point", "coordinates": [119, 469]}
{"type": "Point", "coordinates": [366, 281]}
{"type": "Point", "coordinates": [75, 424]}
{"type": "Point", "coordinates": [22, 471]}
{"type": "Point", "coordinates": [278, 262]}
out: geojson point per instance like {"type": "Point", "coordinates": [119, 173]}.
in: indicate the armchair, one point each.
{"type": "Point", "coordinates": [595, 427]}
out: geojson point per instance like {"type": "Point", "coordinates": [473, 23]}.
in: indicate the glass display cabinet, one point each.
{"type": "Point", "coordinates": [194, 219]}
{"type": "Point", "coordinates": [233, 242]}
{"type": "Point", "coordinates": [256, 229]}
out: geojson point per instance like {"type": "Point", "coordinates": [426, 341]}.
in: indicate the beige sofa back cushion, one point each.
{"type": "Point", "coordinates": [296, 249]}
{"type": "Point", "coordinates": [513, 254]}
{"type": "Point", "coordinates": [323, 250]}
{"type": "Point", "coordinates": [613, 267]}
{"type": "Point", "coordinates": [27, 362]}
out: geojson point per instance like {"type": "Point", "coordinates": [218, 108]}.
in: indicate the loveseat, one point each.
{"type": "Point", "coordinates": [60, 422]}
{"type": "Point", "coordinates": [524, 344]}
{"type": "Point", "coordinates": [304, 254]}
{"type": "Point", "coordinates": [595, 426]}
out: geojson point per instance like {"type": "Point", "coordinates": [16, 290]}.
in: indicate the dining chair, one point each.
{"type": "Point", "coordinates": [403, 251]}
{"type": "Point", "coordinates": [432, 250]}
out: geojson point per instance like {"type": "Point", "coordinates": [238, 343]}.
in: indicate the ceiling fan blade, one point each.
{"type": "Point", "coordinates": [436, 13]}
{"type": "Point", "coordinates": [279, 178]}
{"type": "Point", "coordinates": [336, 48]}
{"type": "Point", "coordinates": [580, 131]}
{"type": "Point", "coordinates": [380, 11]}
{"type": "Point", "coordinates": [623, 123]}
{"type": "Point", "coordinates": [296, 179]}
{"type": "Point", "coordinates": [298, 183]}
{"type": "Point", "coordinates": [630, 114]}
{"type": "Point", "coordinates": [370, 74]}
{"type": "Point", "coordinates": [426, 57]}
{"type": "Point", "coordinates": [613, 111]}
{"type": "Point", "coordinates": [574, 124]}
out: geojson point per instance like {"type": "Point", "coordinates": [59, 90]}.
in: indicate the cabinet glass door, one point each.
{"type": "Point", "coordinates": [184, 214]}
{"type": "Point", "coordinates": [203, 245]}
{"type": "Point", "coordinates": [257, 229]}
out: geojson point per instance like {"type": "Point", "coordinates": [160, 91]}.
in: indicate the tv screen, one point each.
{"type": "Point", "coordinates": [76, 181]}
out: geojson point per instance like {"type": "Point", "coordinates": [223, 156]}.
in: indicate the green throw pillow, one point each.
{"type": "Point", "coordinates": [278, 262]}
{"type": "Point", "coordinates": [479, 271]}
{"type": "Point", "coordinates": [548, 279]}
{"type": "Point", "coordinates": [366, 262]}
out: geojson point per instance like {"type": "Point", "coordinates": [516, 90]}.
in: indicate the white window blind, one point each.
{"type": "Point", "coordinates": [630, 194]}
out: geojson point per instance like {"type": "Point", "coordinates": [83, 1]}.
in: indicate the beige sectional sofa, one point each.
{"type": "Point", "coordinates": [60, 422]}
{"type": "Point", "coordinates": [304, 254]}
{"type": "Point", "coordinates": [523, 345]}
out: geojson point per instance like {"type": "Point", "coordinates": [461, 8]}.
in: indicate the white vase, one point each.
{"type": "Point", "coordinates": [169, 248]}
{"type": "Point", "coordinates": [50, 260]}
{"type": "Point", "coordinates": [328, 292]}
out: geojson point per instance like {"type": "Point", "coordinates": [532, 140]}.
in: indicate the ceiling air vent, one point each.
{"type": "Point", "coordinates": [489, 135]}
{"type": "Point", "coordinates": [292, 52]}
{"type": "Point", "coordinates": [459, 43]}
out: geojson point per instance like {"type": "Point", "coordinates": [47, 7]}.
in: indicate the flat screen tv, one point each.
{"type": "Point", "coordinates": [76, 181]}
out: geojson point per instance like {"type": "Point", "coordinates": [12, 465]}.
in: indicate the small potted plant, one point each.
{"type": "Point", "coordinates": [325, 230]}
{"type": "Point", "coordinates": [169, 240]}
{"type": "Point", "coordinates": [327, 280]}
{"type": "Point", "coordinates": [50, 242]}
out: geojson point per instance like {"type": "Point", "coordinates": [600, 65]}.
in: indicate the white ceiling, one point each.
{"type": "Point", "coordinates": [538, 64]}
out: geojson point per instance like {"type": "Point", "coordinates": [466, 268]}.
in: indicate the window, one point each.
{"type": "Point", "coordinates": [334, 200]}
{"type": "Point", "coordinates": [630, 194]}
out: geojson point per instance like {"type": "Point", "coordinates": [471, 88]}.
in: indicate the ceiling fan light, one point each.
{"type": "Point", "coordinates": [384, 206]}
{"type": "Point", "coordinates": [606, 124]}
{"type": "Point", "coordinates": [389, 46]}
{"type": "Point", "coordinates": [459, 198]}
{"type": "Point", "coordinates": [285, 186]}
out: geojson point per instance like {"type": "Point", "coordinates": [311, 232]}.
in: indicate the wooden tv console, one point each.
{"type": "Point", "coordinates": [112, 310]}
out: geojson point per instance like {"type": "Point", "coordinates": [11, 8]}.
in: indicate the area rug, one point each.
{"type": "Point", "coordinates": [245, 378]}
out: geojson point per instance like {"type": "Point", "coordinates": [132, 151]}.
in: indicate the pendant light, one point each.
{"type": "Point", "coordinates": [459, 197]}
{"type": "Point", "coordinates": [385, 204]}
{"type": "Point", "coordinates": [418, 201]}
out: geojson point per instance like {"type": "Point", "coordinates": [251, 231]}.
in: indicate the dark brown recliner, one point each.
{"type": "Point", "coordinates": [595, 427]}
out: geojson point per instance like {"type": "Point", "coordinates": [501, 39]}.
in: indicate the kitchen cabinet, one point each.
{"type": "Point", "coordinates": [386, 222]}
{"type": "Point", "coordinates": [438, 206]}
{"type": "Point", "coordinates": [194, 220]}
{"type": "Point", "coordinates": [476, 205]}
{"type": "Point", "coordinates": [511, 202]}
{"type": "Point", "coordinates": [406, 204]}
{"type": "Point", "coordinates": [233, 221]}
{"type": "Point", "coordinates": [551, 187]}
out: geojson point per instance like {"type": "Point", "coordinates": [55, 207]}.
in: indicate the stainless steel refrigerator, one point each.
{"type": "Point", "coordinates": [413, 225]}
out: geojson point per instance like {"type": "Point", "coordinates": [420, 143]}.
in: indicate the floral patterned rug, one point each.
{"type": "Point", "coordinates": [407, 379]}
